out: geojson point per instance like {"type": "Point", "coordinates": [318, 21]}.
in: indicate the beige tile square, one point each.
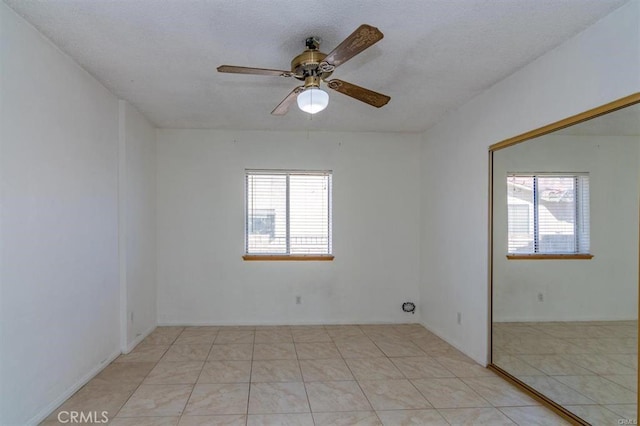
{"type": "Point", "coordinates": [347, 418]}
{"type": "Point", "coordinates": [412, 417]}
{"type": "Point", "coordinates": [317, 350]}
{"type": "Point", "coordinates": [625, 411]}
{"type": "Point", "coordinates": [434, 345]}
{"type": "Point", "coordinates": [400, 348]}
{"type": "Point", "coordinates": [310, 336]}
{"type": "Point", "coordinates": [599, 389]}
{"type": "Point", "coordinates": [555, 390]}
{"type": "Point", "coordinates": [278, 398]}
{"type": "Point", "coordinates": [420, 367]}
{"type": "Point", "coordinates": [336, 396]}
{"type": "Point", "coordinates": [373, 369]}
{"type": "Point", "coordinates": [273, 328]}
{"type": "Point", "coordinates": [237, 328]}
{"type": "Point", "coordinates": [627, 381]}
{"type": "Point", "coordinates": [601, 364]}
{"type": "Point", "coordinates": [274, 336]}
{"type": "Point", "coordinates": [144, 353]}
{"type": "Point", "coordinates": [174, 373]}
{"type": "Point", "coordinates": [218, 398]}
{"type": "Point", "coordinates": [226, 371]}
{"type": "Point", "coordinates": [596, 414]}
{"type": "Point", "coordinates": [234, 336]}
{"type": "Point", "coordinates": [449, 393]}
{"type": "Point", "coordinates": [97, 397]}
{"type": "Point", "coordinates": [264, 351]}
{"type": "Point", "coordinates": [301, 419]}
{"type": "Point", "coordinates": [233, 352]}
{"type": "Point", "coordinates": [393, 395]}
{"type": "Point", "coordinates": [219, 420]}
{"type": "Point", "coordinates": [196, 338]}
{"type": "Point", "coordinates": [143, 421]}
{"type": "Point", "coordinates": [156, 400]}
{"type": "Point", "coordinates": [187, 353]}
{"type": "Point", "coordinates": [162, 336]}
{"type": "Point", "coordinates": [283, 370]}
{"type": "Point", "coordinates": [323, 370]}
{"type": "Point", "coordinates": [555, 365]}
{"type": "Point", "coordinates": [464, 367]}
{"type": "Point", "coordinates": [203, 328]}
{"type": "Point", "coordinates": [124, 372]}
{"type": "Point", "coordinates": [499, 392]}
{"type": "Point", "coordinates": [515, 365]}
{"type": "Point", "coordinates": [342, 332]}
{"type": "Point", "coordinates": [475, 417]}
{"type": "Point", "coordinates": [358, 348]}
{"type": "Point", "coordinates": [628, 360]}
{"type": "Point", "coordinates": [534, 416]}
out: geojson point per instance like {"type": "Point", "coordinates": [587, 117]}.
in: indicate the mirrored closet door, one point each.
{"type": "Point", "coordinates": [564, 263]}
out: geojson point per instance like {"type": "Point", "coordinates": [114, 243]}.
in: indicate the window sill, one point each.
{"type": "Point", "coordinates": [576, 256]}
{"type": "Point", "coordinates": [295, 257]}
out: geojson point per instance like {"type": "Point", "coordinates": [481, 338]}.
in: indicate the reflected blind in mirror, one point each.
{"type": "Point", "coordinates": [548, 213]}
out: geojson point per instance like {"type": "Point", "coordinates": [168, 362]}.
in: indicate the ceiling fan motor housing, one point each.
{"type": "Point", "coordinates": [308, 62]}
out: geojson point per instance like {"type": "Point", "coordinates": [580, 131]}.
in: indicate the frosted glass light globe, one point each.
{"type": "Point", "coordinates": [313, 100]}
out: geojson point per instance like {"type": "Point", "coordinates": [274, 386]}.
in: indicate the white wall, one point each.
{"type": "Point", "coordinates": [59, 293]}
{"type": "Point", "coordinates": [137, 225]}
{"type": "Point", "coordinates": [595, 67]}
{"type": "Point", "coordinates": [202, 278]}
{"type": "Point", "coordinates": [603, 288]}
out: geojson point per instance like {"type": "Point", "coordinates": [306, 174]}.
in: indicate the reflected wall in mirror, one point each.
{"type": "Point", "coordinates": [565, 265]}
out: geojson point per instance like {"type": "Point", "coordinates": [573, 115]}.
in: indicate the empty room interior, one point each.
{"type": "Point", "coordinates": [319, 213]}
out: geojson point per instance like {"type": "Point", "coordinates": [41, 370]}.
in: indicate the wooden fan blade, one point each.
{"type": "Point", "coordinates": [360, 93]}
{"type": "Point", "coordinates": [283, 107]}
{"type": "Point", "coordinates": [362, 38]}
{"type": "Point", "coordinates": [256, 71]}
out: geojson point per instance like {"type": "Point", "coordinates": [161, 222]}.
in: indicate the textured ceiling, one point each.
{"type": "Point", "coordinates": [161, 56]}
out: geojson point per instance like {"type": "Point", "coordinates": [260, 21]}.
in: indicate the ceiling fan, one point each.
{"type": "Point", "coordinates": [314, 67]}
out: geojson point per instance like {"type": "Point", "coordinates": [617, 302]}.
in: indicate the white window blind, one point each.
{"type": "Point", "coordinates": [548, 213]}
{"type": "Point", "coordinates": [288, 212]}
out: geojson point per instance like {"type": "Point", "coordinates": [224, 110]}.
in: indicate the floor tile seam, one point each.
{"type": "Point", "coordinates": [139, 384]}
{"type": "Point", "coordinates": [537, 403]}
{"type": "Point", "coordinates": [573, 389]}
{"type": "Point", "coordinates": [306, 392]}
{"type": "Point", "coordinates": [250, 375]}
{"type": "Point", "coordinates": [360, 387]}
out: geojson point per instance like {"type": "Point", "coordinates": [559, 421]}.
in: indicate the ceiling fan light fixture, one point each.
{"type": "Point", "coordinates": [313, 100]}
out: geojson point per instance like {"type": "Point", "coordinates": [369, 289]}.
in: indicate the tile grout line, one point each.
{"type": "Point", "coordinates": [146, 375]}
{"type": "Point", "coordinates": [253, 348]}
{"type": "Point", "coordinates": [182, 413]}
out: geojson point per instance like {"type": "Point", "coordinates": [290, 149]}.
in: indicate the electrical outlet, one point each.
{"type": "Point", "coordinates": [298, 300]}
{"type": "Point", "coordinates": [459, 318]}
{"type": "Point", "coordinates": [540, 297]}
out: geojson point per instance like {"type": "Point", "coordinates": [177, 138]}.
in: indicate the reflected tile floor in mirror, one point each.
{"type": "Point", "coordinates": [302, 375]}
{"type": "Point", "coordinates": [588, 367]}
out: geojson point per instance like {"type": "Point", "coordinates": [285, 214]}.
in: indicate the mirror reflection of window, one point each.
{"type": "Point", "coordinates": [564, 268]}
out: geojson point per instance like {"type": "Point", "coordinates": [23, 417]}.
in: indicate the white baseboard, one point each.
{"type": "Point", "coordinates": [187, 323]}
{"type": "Point", "coordinates": [45, 412]}
{"type": "Point", "coordinates": [138, 339]}
{"type": "Point", "coordinates": [555, 319]}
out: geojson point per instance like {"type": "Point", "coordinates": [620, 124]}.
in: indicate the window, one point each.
{"type": "Point", "coordinates": [548, 214]}
{"type": "Point", "coordinates": [288, 214]}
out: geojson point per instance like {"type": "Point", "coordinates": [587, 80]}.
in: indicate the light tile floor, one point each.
{"type": "Point", "coordinates": [302, 375]}
{"type": "Point", "coordinates": [589, 367]}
